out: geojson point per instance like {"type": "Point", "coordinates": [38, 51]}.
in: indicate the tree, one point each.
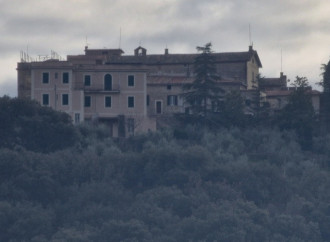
{"type": "Point", "coordinates": [261, 108]}
{"type": "Point", "coordinates": [299, 114]}
{"type": "Point", "coordinates": [325, 98]}
{"type": "Point", "coordinates": [232, 110]}
{"type": "Point", "coordinates": [204, 91]}
{"type": "Point", "coordinates": [25, 123]}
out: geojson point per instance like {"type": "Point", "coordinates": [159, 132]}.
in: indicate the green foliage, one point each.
{"type": "Point", "coordinates": [230, 185]}
{"type": "Point", "coordinates": [231, 111]}
{"type": "Point", "coordinates": [204, 91]}
{"type": "Point", "coordinates": [25, 123]}
{"type": "Point", "coordinates": [299, 114]}
{"type": "Point", "coordinates": [325, 96]}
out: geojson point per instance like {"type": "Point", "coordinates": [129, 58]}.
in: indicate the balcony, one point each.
{"type": "Point", "coordinates": [97, 88]}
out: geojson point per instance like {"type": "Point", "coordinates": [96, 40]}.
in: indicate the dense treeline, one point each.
{"type": "Point", "coordinates": [187, 184]}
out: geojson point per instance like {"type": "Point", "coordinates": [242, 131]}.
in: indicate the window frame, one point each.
{"type": "Point", "coordinates": [172, 100]}
{"type": "Point", "coordinates": [65, 77]}
{"type": "Point", "coordinates": [129, 104]}
{"type": "Point", "coordinates": [130, 125]}
{"type": "Point", "coordinates": [43, 75]}
{"type": "Point", "coordinates": [67, 96]}
{"type": "Point", "coordinates": [90, 80]}
{"type": "Point", "coordinates": [105, 88]}
{"type": "Point", "coordinates": [43, 99]}
{"type": "Point", "coordinates": [77, 118]}
{"type": "Point", "coordinates": [105, 101]}
{"type": "Point", "coordinates": [130, 82]}
{"type": "Point", "coordinates": [90, 101]}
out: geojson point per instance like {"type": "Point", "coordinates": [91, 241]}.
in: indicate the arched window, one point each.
{"type": "Point", "coordinates": [108, 82]}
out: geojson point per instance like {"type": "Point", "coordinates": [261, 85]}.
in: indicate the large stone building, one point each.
{"type": "Point", "coordinates": [127, 92]}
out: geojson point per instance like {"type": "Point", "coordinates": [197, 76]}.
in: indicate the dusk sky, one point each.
{"type": "Point", "coordinates": [300, 28]}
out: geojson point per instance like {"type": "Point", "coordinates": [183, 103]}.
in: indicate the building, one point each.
{"type": "Point", "coordinates": [129, 93]}
{"type": "Point", "coordinates": [276, 93]}
{"type": "Point", "coordinates": [89, 88]}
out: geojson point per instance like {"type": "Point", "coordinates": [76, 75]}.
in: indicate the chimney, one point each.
{"type": "Point", "coordinates": [250, 48]}
{"type": "Point", "coordinates": [166, 51]}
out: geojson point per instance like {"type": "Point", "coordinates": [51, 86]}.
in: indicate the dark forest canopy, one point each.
{"type": "Point", "coordinates": [178, 184]}
{"type": "Point", "coordinates": [24, 123]}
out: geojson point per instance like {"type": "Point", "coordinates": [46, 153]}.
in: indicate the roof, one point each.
{"type": "Point", "coordinates": [180, 80]}
{"type": "Point", "coordinates": [272, 82]}
{"type": "Point", "coordinates": [224, 57]}
{"type": "Point", "coordinates": [278, 93]}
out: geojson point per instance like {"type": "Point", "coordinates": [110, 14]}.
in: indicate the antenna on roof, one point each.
{"type": "Point", "coordinates": [250, 41]}
{"type": "Point", "coordinates": [120, 38]}
{"type": "Point", "coordinates": [281, 61]}
{"type": "Point", "coordinates": [86, 43]}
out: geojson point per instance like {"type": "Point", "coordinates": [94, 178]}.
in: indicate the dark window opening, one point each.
{"type": "Point", "coordinates": [77, 118]}
{"type": "Point", "coordinates": [130, 80]}
{"type": "Point", "coordinates": [107, 102]}
{"type": "Point", "coordinates": [65, 77]}
{"type": "Point", "coordinates": [172, 100]}
{"type": "Point", "coordinates": [87, 80]}
{"type": "Point", "coordinates": [65, 99]}
{"type": "Point", "coordinates": [148, 100]}
{"type": "Point", "coordinates": [45, 99]}
{"type": "Point", "coordinates": [169, 87]}
{"type": "Point", "coordinates": [88, 101]}
{"type": "Point", "coordinates": [158, 107]}
{"type": "Point", "coordinates": [131, 102]}
{"type": "Point", "coordinates": [108, 82]}
{"type": "Point", "coordinates": [45, 77]}
{"type": "Point", "coordinates": [130, 125]}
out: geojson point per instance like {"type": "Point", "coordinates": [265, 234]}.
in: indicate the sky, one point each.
{"type": "Point", "coordinates": [292, 36]}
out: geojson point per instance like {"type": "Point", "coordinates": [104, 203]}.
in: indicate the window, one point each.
{"type": "Point", "coordinates": [65, 99]}
{"type": "Point", "coordinates": [88, 101]}
{"type": "Point", "coordinates": [158, 107]}
{"type": "Point", "coordinates": [148, 100]}
{"type": "Point", "coordinates": [172, 100]}
{"type": "Point", "coordinates": [45, 77]}
{"type": "Point", "coordinates": [130, 80]}
{"type": "Point", "coordinates": [65, 77]}
{"type": "Point", "coordinates": [56, 75]}
{"type": "Point", "coordinates": [77, 118]}
{"type": "Point", "coordinates": [87, 80]}
{"type": "Point", "coordinates": [130, 101]}
{"type": "Point", "coordinates": [169, 87]}
{"type": "Point", "coordinates": [108, 82]}
{"type": "Point", "coordinates": [45, 99]}
{"type": "Point", "coordinates": [130, 125]}
{"type": "Point", "coordinates": [107, 101]}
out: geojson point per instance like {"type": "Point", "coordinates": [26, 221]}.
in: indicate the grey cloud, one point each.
{"type": "Point", "coordinates": [8, 88]}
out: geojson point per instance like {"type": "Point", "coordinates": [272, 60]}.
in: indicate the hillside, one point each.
{"type": "Point", "coordinates": [230, 185]}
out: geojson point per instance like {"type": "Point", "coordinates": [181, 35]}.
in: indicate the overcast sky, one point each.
{"type": "Point", "coordinates": [300, 28]}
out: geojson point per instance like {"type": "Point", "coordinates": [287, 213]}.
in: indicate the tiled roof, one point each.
{"type": "Point", "coordinates": [174, 80]}
{"type": "Point", "coordinates": [186, 58]}
{"type": "Point", "coordinates": [278, 93]}
{"type": "Point", "coordinates": [179, 80]}
{"type": "Point", "coordinates": [272, 82]}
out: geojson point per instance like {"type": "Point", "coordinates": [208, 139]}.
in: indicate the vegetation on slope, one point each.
{"type": "Point", "coordinates": [233, 184]}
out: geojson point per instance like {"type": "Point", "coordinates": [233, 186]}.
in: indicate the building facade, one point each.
{"type": "Point", "coordinates": [129, 93]}
{"type": "Point", "coordinates": [89, 89]}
